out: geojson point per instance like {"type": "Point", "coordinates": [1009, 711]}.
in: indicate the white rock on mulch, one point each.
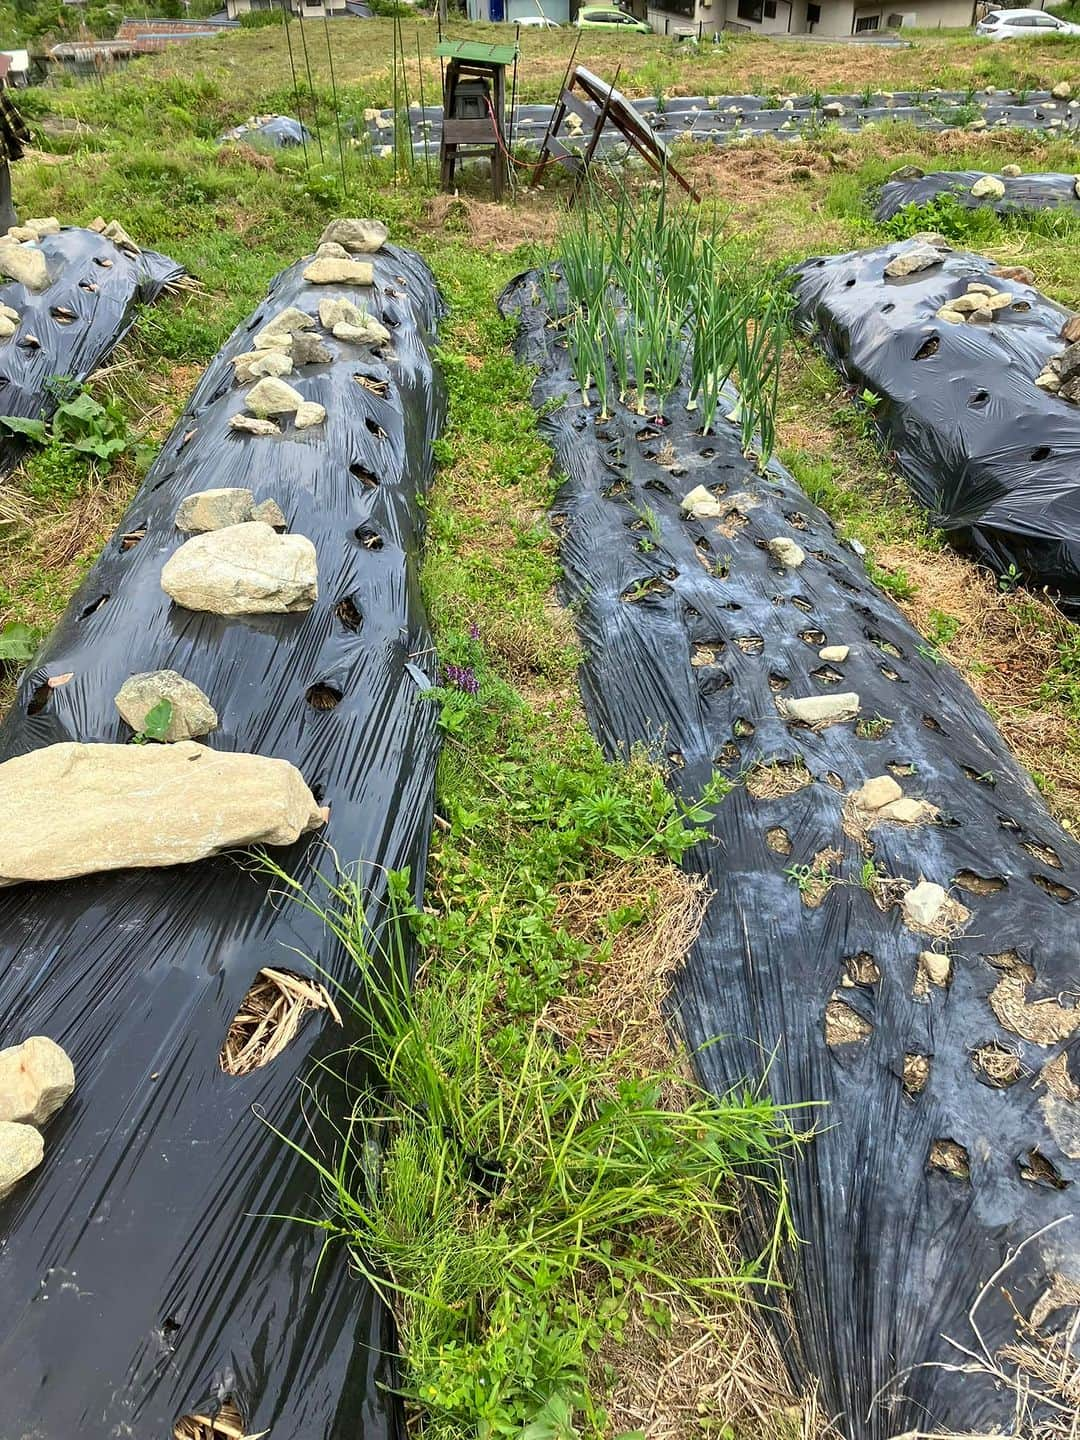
{"type": "Point", "coordinates": [917, 257]}
{"type": "Point", "coordinates": [214, 509]}
{"type": "Point", "coordinates": [244, 569]}
{"type": "Point", "coordinates": [328, 271]}
{"type": "Point", "coordinates": [989, 187]}
{"type": "Point", "coordinates": [787, 552]}
{"type": "Point", "coordinates": [876, 792]}
{"type": "Point", "coordinates": [75, 809]}
{"type": "Point", "coordinates": [36, 1079]}
{"type": "Point", "coordinates": [935, 967]}
{"type": "Point", "coordinates": [835, 653]}
{"type": "Point", "coordinates": [309, 413]}
{"type": "Point", "coordinates": [271, 396]}
{"type": "Point", "coordinates": [21, 1150]}
{"type": "Point", "coordinates": [361, 237]}
{"type": "Point", "coordinates": [270, 513]}
{"type": "Point", "coordinates": [24, 263]}
{"type": "Point", "coordinates": [820, 710]}
{"type": "Point", "coordinates": [924, 903]}
{"type": "Point", "coordinates": [250, 425]}
{"type": "Point", "coordinates": [191, 714]}
{"type": "Point", "coordinates": [255, 364]}
{"type": "Point", "coordinates": [702, 504]}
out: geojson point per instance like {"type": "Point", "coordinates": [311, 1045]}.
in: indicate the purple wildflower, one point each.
{"type": "Point", "coordinates": [462, 677]}
{"type": "Point", "coordinates": [474, 631]}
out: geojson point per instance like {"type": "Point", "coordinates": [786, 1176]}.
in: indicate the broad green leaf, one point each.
{"type": "Point", "coordinates": [157, 720]}
{"type": "Point", "coordinates": [18, 641]}
{"type": "Point", "coordinates": [34, 429]}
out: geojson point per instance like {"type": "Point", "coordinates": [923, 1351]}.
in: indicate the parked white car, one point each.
{"type": "Point", "coordinates": [1023, 25]}
{"type": "Point", "coordinates": [537, 22]}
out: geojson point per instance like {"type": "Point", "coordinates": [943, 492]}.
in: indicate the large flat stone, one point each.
{"type": "Point", "coordinates": [361, 237]}
{"type": "Point", "coordinates": [329, 271]}
{"type": "Point", "coordinates": [214, 509]}
{"type": "Point", "coordinates": [821, 710]}
{"type": "Point", "coordinates": [244, 569]}
{"type": "Point", "coordinates": [36, 1079]}
{"type": "Point", "coordinates": [24, 263]}
{"type": "Point", "coordinates": [72, 809]}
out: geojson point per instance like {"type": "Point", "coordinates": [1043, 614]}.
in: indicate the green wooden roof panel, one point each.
{"type": "Point", "coordinates": [473, 50]}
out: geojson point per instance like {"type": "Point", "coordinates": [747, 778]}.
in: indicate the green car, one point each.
{"type": "Point", "coordinates": [606, 17]}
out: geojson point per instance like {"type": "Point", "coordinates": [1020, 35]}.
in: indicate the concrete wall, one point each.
{"type": "Point", "coordinates": [838, 17]}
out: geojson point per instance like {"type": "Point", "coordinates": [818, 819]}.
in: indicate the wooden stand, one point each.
{"type": "Point", "coordinates": [475, 81]}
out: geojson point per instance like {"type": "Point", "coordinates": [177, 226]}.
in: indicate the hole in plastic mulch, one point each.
{"type": "Point", "coordinates": [996, 1065]}
{"type": "Point", "coordinates": [930, 346]}
{"type": "Point", "coordinates": [843, 1025]}
{"type": "Point", "coordinates": [862, 969]}
{"type": "Point", "coordinates": [1054, 888]}
{"type": "Point", "coordinates": [368, 538]}
{"type": "Point", "coordinates": [321, 696]}
{"type": "Point", "coordinates": [983, 777]}
{"type": "Point", "coordinates": [1046, 853]}
{"type": "Point", "coordinates": [979, 397]}
{"type": "Point", "coordinates": [349, 614]}
{"type": "Point", "coordinates": [1041, 452]}
{"type": "Point", "coordinates": [374, 428]}
{"type": "Point", "coordinates": [778, 840]}
{"type": "Point", "coordinates": [951, 1159]}
{"type": "Point", "coordinates": [813, 637]}
{"type": "Point", "coordinates": [365, 476]}
{"type": "Point", "coordinates": [39, 699]}
{"type": "Point", "coordinates": [931, 724]}
{"type": "Point", "coordinates": [94, 605]}
{"type": "Point", "coordinates": [1036, 1169]}
{"type": "Point", "coordinates": [268, 1020]}
{"type": "Point", "coordinates": [227, 1424]}
{"type": "Point", "coordinates": [916, 1074]}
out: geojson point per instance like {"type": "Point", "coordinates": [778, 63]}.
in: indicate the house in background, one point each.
{"type": "Point", "coordinates": [808, 17]}
{"type": "Point", "coordinates": [306, 9]}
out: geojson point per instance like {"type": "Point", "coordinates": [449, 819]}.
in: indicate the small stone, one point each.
{"type": "Point", "coordinates": [932, 238]}
{"type": "Point", "coordinates": [309, 413]}
{"type": "Point", "coordinates": [989, 187]}
{"type": "Point", "coordinates": [834, 110]}
{"type": "Point", "coordinates": [213, 510]}
{"type": "Point", "coordinates": [8, 313]}
{"type": "Point", "coordinates": [966, 304]}
{"type": "Point", "coordinates": [115, 232]}
{"type": "Point", "coordinates": [1062, 90]}
{"type": "Point", "coordinates": [875, 793]}
{"type": "Point", "coordinates": [915, 258]}
{"type": "Point", "coordinates": [361, 237]}
{"type": "Point", "coordinates": [1048, 381]}
{"type": "Point", "coordinates": [290, 321]}
{"type": "Point", "coordinates": [369, 333]}
{"type": "Point", "coordinates": [278, 340]}
{"type": "Point", "coordinates": [270, 513]}
{"type": "Point", "coordinates": [906, 811]}
{"type": "Point", "coordinates": [936, 967]}
{"type": "Point", "coordinates": [1011, 171]}
{"type": "Point", "coordinates": [254, 364]}
{"type": "Point", "coordinates": [1076, 187]}
{"type": "Point", "coordinates": [329, 271]}
{"type": "Point", "coordinates": [950, 314]}
{"type": "Point", "coordinates": [309, 349]}
{"type": "Point", "coordinates": [821, 710]}
{"type": "Point", "coordinates": [24, 264]}
{"type": "Point", "coordinates": [82, 809]}
{"type": "Point", "coordinates": [243, 570]}
{"type": "Point", "coordinates": [7, 327]}
{"type": "Point", "coordinates": [982, 315]}
{"type": "Point", "coordinates": [338, 311]}
{"type": "Point", "coordinates": [192, 714]}
{"type": "Point", "coordinates": [702, 504]}
{"type": "Point", "coordinates": [21, 1150]}
{"type": "Point", "coordinates": [979, 287]}
{"type": "Point", "coordinates": [979, 123]}
{"type": "Point", "coordinates": [36, 1079]}
{"type": "Point", "coordinates": [271, 396]}
{"type": "Point", "coordinates": [923, 904]}
{"type": "Point", "coordinates": [787, 552]}
{"type": "Point", "coordinates": [1070, 391]}
{"type": "Point", "coordinates": [836, 653]}
{"type": "Point", "coordinates": [50, 225]}
{"type": "Point", "coordinates": [1069, 362]}
{"type": "Point", "coordinates": [251, 426]}
{"type": "Point", "coordinates": [907, 172]}
{"type": "Point", "coordinates": [1000, 300]}
{"type": "Point", "coordinates": [1070, 331]}
{"type": "Point", "coordinates": [331, 249]}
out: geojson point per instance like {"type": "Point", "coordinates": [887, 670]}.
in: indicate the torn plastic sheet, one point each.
{"type": "Point", "coordinates": [994, 459]}
{"type": "Point", "coordinates": [149, 1227]}
{"type": "Point", "coordinates": [1022, 192]}
{"type": "Point", "coordinates": [948, 1135]}
{"type": "Point", "coordinates": [73, 324]}
{"type": "Point", "coordinates": [271, 132]}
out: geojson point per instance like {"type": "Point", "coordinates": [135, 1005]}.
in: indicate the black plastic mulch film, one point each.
{"type": "Point", "coordinates": [1022, 192]}
{"type": "Point", "coordinates": [994, 459]}
{"type": "Point", "coordinates": [85, 311]}
{"type": "Point", "coordinates": [146, 1228]}
{"type": "Point", "coordinates": [923, 1174]}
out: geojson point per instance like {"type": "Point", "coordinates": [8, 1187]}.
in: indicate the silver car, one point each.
{"type": "Point", "coordinates": [1023, 25]}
